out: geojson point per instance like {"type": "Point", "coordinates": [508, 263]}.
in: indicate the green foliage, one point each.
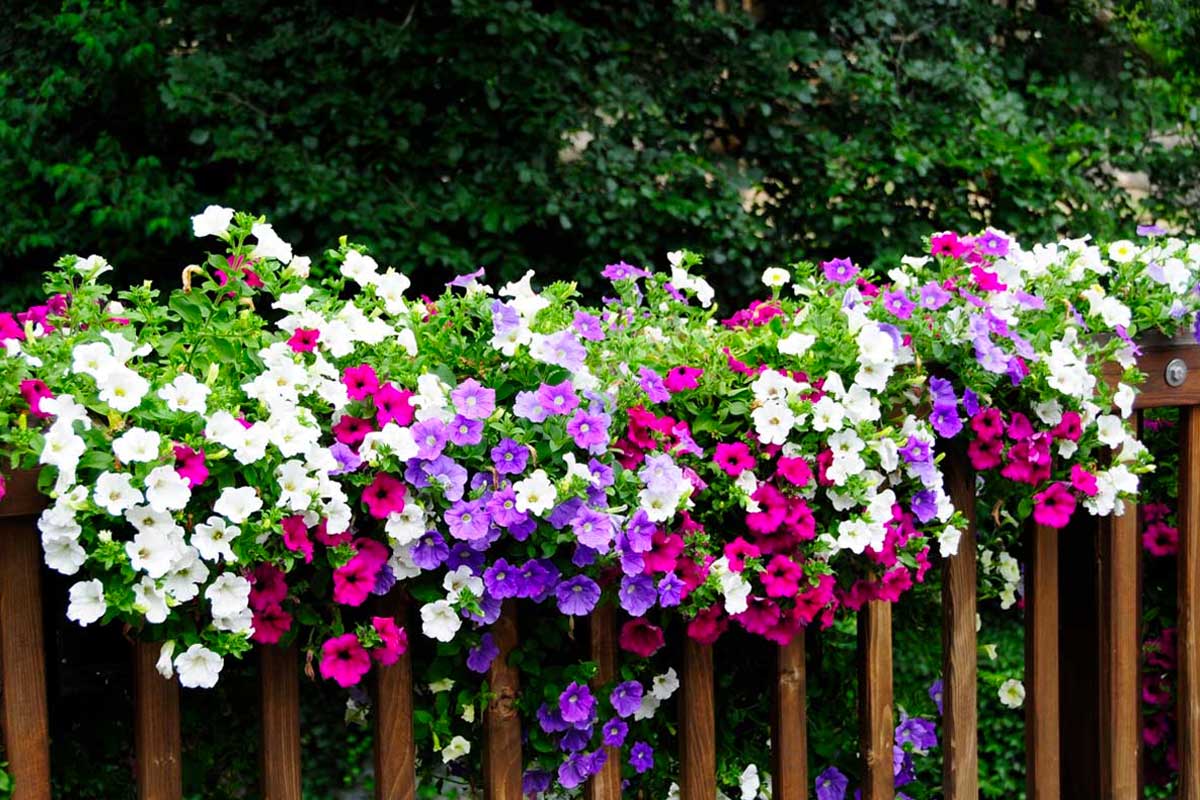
{"type": "Point", "coordinates": [564, 135]}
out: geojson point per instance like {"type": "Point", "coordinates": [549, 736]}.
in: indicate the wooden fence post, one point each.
{"type": "Point", "coordinates": [157, 743]}
{"type": "Point", "coordinates": [395, 747]}
{"type": "Point", "coordinates": [1043, 766]}
{"type": "Point", "coordinates": [502, 765]}
{"type": "Point", "coordinates": [602, 647]}
{"type": "Point", "coordinates": [279, 678]}
{"type": "Point", "coordinates": [1189, 606]}
{"type": "Point", "coordinates": [697, 724]}
{"type": "Point", "coordinates": [960, 658]}
{"type": "Point", "coordinates": [875, 700]}
{"type": "Point", "coordinates": [22, 649]}
{"type": "Point", "coordinates": [789, 736]}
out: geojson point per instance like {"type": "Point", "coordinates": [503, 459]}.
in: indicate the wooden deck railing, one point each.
{"type": "Point", "coordinates": [1116, 759]}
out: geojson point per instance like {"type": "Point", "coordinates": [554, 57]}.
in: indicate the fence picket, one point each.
{"type": "Point", "coordinates": [1189, 607]}
{"type": "Point", "coordinates": [960, 766]}
{"type": "Point", "coordinates": [501, 725]}
{"type": "Point", "coordinates": [697, 724]}
{"type": "Point", "coordinates": [1042, 708]}
{"type": "Point", "coordinates": [157, 744]}
{"type": "Point", "coordinates": [602, 648]}
{"type": "Point", "coordinates": [875, 699]}
{"type": "Point", "coordinates": [22, 653]}
{"type": "Point", "coordinates": [789, 737]}
{"type": "Point", "coordinates": [395, 748]}
{"type": "Point", "coordinates": [279, 679]}
{"type": "Point", "coordinates": [1120, 645]}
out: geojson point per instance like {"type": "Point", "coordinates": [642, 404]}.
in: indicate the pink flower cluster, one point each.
{"type": "Point", "coordinates": [1159, 537]}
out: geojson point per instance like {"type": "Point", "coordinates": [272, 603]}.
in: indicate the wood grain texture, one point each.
{"type": "Point", "coordinates": [1189, 606]}
{"type": "Point", "coordinates": [501, 724]}
{"type": "Point", "coordinates": [960, 658]}
{"type": "Point", "coordinates": [1156, 354]}
{"type": "Point", "coordinates": [22, 654]}
{"type": "Point", "coordinates": [697, 724]}
{"type": "Point", "coordinates": [1120, 648]}
{"type": "Point", "coordinates": [602, 648]}
{"type": "Point", "coordinates": [395, 747]}
{"type": "Point", "coordinates": [789, 734]}
{"type": "Point", "coordinates": [279, 678]}
{"type": "Point", "coordinates": [1043, 769]}
{"type": "Point", "coordinates": [875, 699]}
{"type": "Point", "coordinates": [158, 766]}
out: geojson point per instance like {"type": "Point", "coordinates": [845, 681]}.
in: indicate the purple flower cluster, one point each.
{"type": "Point", "coordinates": [944, 416]}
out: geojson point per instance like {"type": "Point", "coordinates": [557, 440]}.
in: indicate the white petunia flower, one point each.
{"type": "Point", "coordinates": [665, 685]}
{"type": "Point", "coordinates": [87, 602]}
{"type": "Point", "coordinates": [137, 444]}
{"type": "Point", "coordinates": [186, 394]}
{"type": "Point", "coordinates": [361, 269]}
{"type": "Point", "coordinates": [115, 493]}
{"type": "Point", "coordinates": [198, 667]}
{"type": "Point", "coordinates": [229, 595]}
{"type": "Point", "coordinates": [796, 344]}
{"type": "Point", "coordinates": [775, 277]}
{"type": "Point", "coordinates": [270, 245]}
{"type": "Point", "coordinates": [749, 783]}
{"type": "Point", "coordinates": [238, 505]}
{"type": "Point", "coordinates": [150, 600]}
{"type": "Point", "coordinates": [167, 490]}
{"type": "Point", "coordinates": [213, 539]}
{"type": "Point", "coordinates": [164, 665]}
{"type": "Point", "coordinates": [152, 552]}
{"type": "Point", "coordinates": [1012, 693]}
{"type": "Point", "coordinates": [123, 389]}
{"type": "Point", "coordinates": [440, 621]}
{"type": "Point", "coordinates": [1123, 399]}
{"type": "Point", "coordinates": [457, 748]}
{"type": "Point", "coordinates": [773, 422]}
{"type": "Point", "coordinates": [213, 221]}
{"type": "Point", "coordinates": [535, 494]}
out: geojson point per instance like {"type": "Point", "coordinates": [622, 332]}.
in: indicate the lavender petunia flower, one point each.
{"type": "Point", "coordinates": [898, 304]}
{"type": "Point", "coordinates": [839, 270]}
{"type": "Point", "coordinates": [593, 529]}
{"type": "Point", "coordinates": [347, 459]}
{"type": "Point", "coordinates": [505, 318]}
{"type": "Point", "coordinates": [430, 551]}
{"type": "Point", "coordinates": [510, 457]}
{"type": "Point", "coordinates": [920, 732]}
{"type": "Point", "coordinates": [558, 398]}
{"type": "Point", "coordinates": [431, 437]}
{"type": "Point", "coordinates": [637, 594]}
{"type": "Point", "coordinates": [626, 698]}
{"type": "Point", "coordinates": [465, 432]}
{"type": "Point", "coordinates": [924, 505]}
{"type": "Point", "coordinates": [528, 406]}
{"type": "Point", "coordinates": [670, 590]}
{"type": "Point", "coordinates": [562, 349]}
{"type": "Point", "coordinates": [588, 326]}
{"type": "Point", "coordinates": [462, 281]}
{"type": "Point", "coordinates": [577, 596]}
{"type": "Point", "coordinates": [933, 296]}
{"type": "Point", "coordinates": [623, 272]}
{"type": "Point", "coordinates": [652, 384]}
{"type": "Point", "coordinates": [590, 431]}
{"type": "Point", "coordinates": [473, 400]}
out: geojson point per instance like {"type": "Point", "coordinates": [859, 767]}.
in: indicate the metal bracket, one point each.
{"type": "Point", "coordinates": [1176, 372]}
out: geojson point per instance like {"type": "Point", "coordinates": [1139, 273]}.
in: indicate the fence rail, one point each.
{"type": "Point", "coordinates": [1117, 619]}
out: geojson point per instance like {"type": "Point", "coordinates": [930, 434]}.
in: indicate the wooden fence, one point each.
{"type": "Point", "coordinates": [1115, 758]}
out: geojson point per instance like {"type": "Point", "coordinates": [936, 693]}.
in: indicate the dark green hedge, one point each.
{"type": "Point", "coordinates": [440, 132]}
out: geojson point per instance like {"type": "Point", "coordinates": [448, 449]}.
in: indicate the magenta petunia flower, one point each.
{"type": "Point", "coordinates": [361, 382]}
{"type": "Point", "coordinates": [733, 458]}
{"type": "Point", "coordinates": [1054, 506]}
{"type": "Point", "coordinates": [682, 378]}
{"type": "Point", "coordinates": [190, 465]}
{"type": "Point", "coordinates": [392, 404]}
{"type": "Point", "coordinates": [295, 536]}
{"type": "Point", "coordinates": [304, 340]}
{"type": "Point", "coordinates": [384, 496]}
{"type": "Point", "coordinates": [344, 660]}
{"type": "Point", "coordinates": [271, 622]}
{"type": "Point", "coordinates": [395, 640]}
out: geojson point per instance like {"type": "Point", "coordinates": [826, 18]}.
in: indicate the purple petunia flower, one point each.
{"type": "Point", "coordinates": [1150, 230]}
{"type": "Point", "coordinates": [347, 459]}
{"type": "Point", "coordinates": [626, 698]}
{"type": "Point", "coordinates": [462, 555]}
{"type": "Point", "coordinates": [562, 349]}
{"type": "Point", "coordinates": [601, 473]}
{"type": "Point", "coordinates": [430, 550]}
{"type": "Point", "coordinates": [935, 694]}
{"type": "Point", "coordinates": [505, 318]}
{"type": "Point", "coordinates": [991, 357]}
{"type": "Point", "coordinates": [593, 528]}
{"type": "Point", "coordinates": [623, 272]}
{"type": "Point", "coordinates": [510, 457]}
{"type": "Point", "coordinates": [641, 757]}
{"type": "Point", "coordinates": [535, 781]}
{"type": "Point", "coordinates": [933, 296]}
{"type": "Point", "coordinates": [385, 579]}
{"type": "Point", "coordinates": [992, 243]}
{"type": "Point", "coordinates": [550, 720]}
{"type": "Point", "coordinates": [431, 437]}
{"type": "Point", "coordinates": [502, 507]}
{"type": "Point", "coordinates": [831, 785]}
{"type": "Point", "coordinates": [528, 406]}
{"type": "Point", "coordinates": [639, 532]}
{"type": "Point", "coordinates": [443, 471]}
{"type": "Point", "coordinates": [480, 658]}
{"type": "Point", "coordinates": [588, 326]}
{"type": "Point", "coordinates": [577, 596]}
{"type": "Point", "coordinates": [502, 580]}
{"type": "Point", "coordinates": [915, 451]}
{"type": "Point", "coordinates": [473, 400]}
{"type": "Point", "coordinates": [945, 421]}
{"type": "Point", "coordinates": [970, 402]}
{"type": "Point", "coordinates": [464, 432]}
{"type": "Point", "coordinates": [637, 594]}
{"type": "Point", "coordinates": [463, 281]}
{"type": "Point", "coordinates": [590, 431]}
{"type": "Point", "coordinates": [839, 270]}
{"type": "Point", "coordinates": [670, 590]}
{"type": "Point", "coordinates": [898, 304]}
{"type": "Point", "coordinates": [613, 733]}
{"type": "Point", "coordinates": [574, 771]}
{"type": "Point", "coordinates": [924, 505]}
{"type": "Point", "coordinates": [467, 519]}
{"type": "Point", "coordinates": [576, 705]}
{"type": "Point", "coordinates": [558, 398]}
{"type": "Point", "coordinates": [575, 740]}
{"type": "Point", "coordinates": [652, 384]}
{"type": "Point", "coordinates": [920, 732]}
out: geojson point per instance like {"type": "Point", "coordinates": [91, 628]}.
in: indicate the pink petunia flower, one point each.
{"type": "Point", "coordinates": [344, 660]}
